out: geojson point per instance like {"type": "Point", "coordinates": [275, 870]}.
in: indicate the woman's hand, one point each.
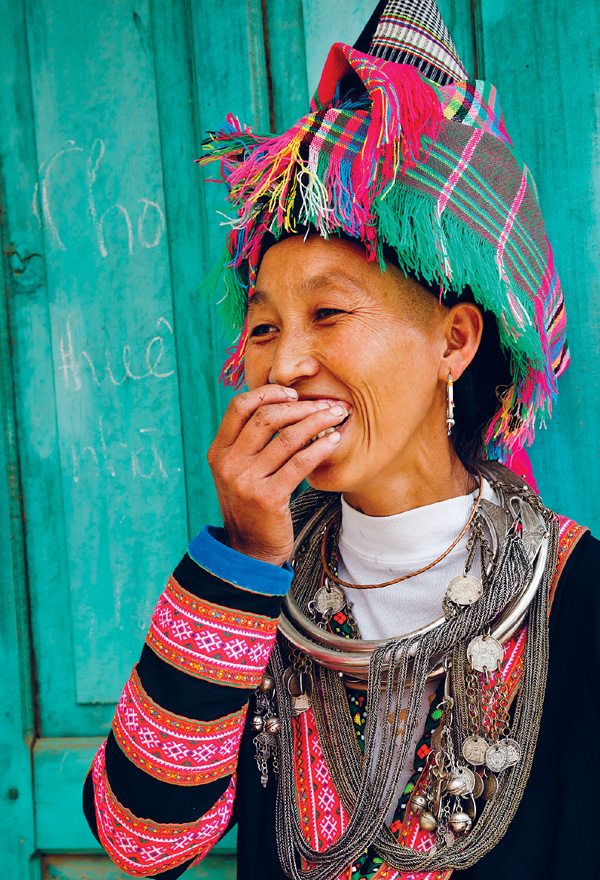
{"type": "Point", "coordinates": [261, 453]}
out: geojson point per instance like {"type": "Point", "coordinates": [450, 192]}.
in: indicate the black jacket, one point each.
{"type": "Point", "coordinates": [552, 836]}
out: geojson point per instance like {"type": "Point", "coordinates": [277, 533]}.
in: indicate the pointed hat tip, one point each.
{"type": "Point", "coordinates": [413, 32]}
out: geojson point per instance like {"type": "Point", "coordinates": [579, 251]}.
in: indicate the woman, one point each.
{"type": "Point", "coordinates": [387, 247]}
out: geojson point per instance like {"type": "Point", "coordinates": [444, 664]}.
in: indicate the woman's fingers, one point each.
{"type": "Point", "coordinates": [270, 419]}
{"type": "Point", "coordinates": [297, 468]}
{"type": "Point", "coordinates": [242, 407]}
{"type": "Point", "coordinates": [295, 437]}
{"type": "Point", "coordinates": [263, 450]}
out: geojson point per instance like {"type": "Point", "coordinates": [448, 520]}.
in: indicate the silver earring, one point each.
{"type": "Point", "coordinates": [450, 404]}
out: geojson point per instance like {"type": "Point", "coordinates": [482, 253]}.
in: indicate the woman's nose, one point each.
{"type": "Point", "coordinates": [293, 361]}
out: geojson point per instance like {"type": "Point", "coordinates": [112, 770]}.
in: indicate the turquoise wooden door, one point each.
{"type": "Point", "coordinates": [109, 355]}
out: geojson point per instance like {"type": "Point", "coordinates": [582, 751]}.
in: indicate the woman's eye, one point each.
{"type": "Point", "coordinates": [328, 313]}
{"type": "Point", "coordinates": [263, 330]}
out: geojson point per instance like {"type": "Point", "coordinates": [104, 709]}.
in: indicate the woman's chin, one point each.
{"type": "Point", "coordinates": [329, 476]}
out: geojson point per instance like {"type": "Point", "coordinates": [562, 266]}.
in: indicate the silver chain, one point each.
{"type": "Point", "coordinates": [367, 785]}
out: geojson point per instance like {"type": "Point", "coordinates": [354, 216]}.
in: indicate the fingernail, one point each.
{"type": "Point", "coordinates": [291, 392]}
{"type": "Point", "coordinates": [334, 438]}
{"type": "Point", "coordinates": [321, 405]}
{"type": "Point", "coordinates": [338, 411]}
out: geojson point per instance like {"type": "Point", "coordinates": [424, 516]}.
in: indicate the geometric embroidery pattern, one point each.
{"type": "Point", "coordinates": [172, 748]}
{"type": "Point", "coordinates": [141, 847]}
{"type": "Point", "coordinates": [569, 536]}
{"type": "Point", "coordinates": [322, 816]}
{"type": "Point", "coordinates": [208, 641]}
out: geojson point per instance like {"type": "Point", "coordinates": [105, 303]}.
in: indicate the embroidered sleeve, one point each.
{"type": "Point", "coordinates": [161, 789]}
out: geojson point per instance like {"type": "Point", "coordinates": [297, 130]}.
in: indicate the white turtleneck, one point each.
{"type": "Point", "coordinates": [376, 549]}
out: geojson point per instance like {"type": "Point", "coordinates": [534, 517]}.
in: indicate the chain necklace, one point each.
{"type": "Point", "coordinates": [333, 576]}
{"type": "Point", "coordinates": [367, 785]}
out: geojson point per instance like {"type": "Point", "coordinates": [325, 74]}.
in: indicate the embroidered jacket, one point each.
{"type": "Point", "coordinates": [164, 782]}
{"type": "Point", "coordinates": [177, 769]}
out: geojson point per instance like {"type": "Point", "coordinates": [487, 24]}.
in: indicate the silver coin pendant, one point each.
{"type": "Point", "coordinates": [300, 704]}
{"type": "Point", "coordinates": [485, 653]}
{"type": "Point", "coordinates": [465, 589]}
{"type": "Point", "coordinates": [496, 758]}
{"type": "Point", "coordinates": [474, 750]}
{"type": "Point", "coordinates": [329, 599]}
{"type": "Point", "coordinates": [478, 787]}
{"type": "Point", "coordinates": [490, 787]}
{"type": "Point", "coordinates": [513, 751]}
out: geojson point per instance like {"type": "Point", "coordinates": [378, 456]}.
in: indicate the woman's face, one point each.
{"type": "Point", "coordinates": [330, 324]}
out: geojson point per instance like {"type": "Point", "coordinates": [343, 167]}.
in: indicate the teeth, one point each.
{"type": "Point", "coordinates": [329, 430]}
{"type": "Point", "coordinates": [322, 434]}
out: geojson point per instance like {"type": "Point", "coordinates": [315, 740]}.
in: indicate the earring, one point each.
{"type": "Point", "coordinates": [450, 404]}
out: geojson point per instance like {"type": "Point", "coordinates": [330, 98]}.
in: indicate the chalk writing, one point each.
{"type": "Point", "coordinates": [73, 359]}
{"type": "Point", "coordinates": [109, 456]}
{"type": "Point", "coordinates": [150, 224]}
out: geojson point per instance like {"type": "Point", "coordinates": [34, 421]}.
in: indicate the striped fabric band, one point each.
{"type": "Point", "coordinates": [172, 748]}
{"type": "Point", "coordinates": [141, 847]}
{"type": "Point", "coordinates": [208, 641]}
{"type": "Point", "coordinates": [475, 103]}
{"type": "Point", "coordinates": [413, 32]}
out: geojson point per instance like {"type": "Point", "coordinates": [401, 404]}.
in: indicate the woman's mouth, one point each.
{"type": "Point", "coordinates": [330, 430]}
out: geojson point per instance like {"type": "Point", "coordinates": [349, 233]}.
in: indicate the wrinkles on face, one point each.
{"type": "Point", "coordinates": [329, 323]}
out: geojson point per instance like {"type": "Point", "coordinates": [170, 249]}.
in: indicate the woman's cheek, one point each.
{"type": "Point", "coordinates": [257, 366]}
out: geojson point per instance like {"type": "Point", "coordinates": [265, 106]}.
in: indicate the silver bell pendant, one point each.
{"type": "Point", "coordinates": [257, 723]}
{"type": "Point", "coordinates": [427, 821]}
{"type": "Point", "coordinates": [273, 725]}
{"type": "Point", "coordinates": [267, 684]}
{"type": "Point", "coordinates": [418, 803]}
{"type": "Point", "coordinates": [460, 822]}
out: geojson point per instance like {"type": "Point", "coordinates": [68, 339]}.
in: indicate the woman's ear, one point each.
{"type": "Point", "coordinates": [464, 326]}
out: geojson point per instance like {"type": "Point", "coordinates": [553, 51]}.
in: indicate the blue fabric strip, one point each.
{"type": "Point", "coordinates": [210, 552]}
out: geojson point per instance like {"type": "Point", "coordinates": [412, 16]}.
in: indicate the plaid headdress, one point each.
{"type": "Point", "coordinates": [401, 148]}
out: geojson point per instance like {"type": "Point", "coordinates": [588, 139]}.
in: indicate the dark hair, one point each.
{"type": "Point", "coordinates": [476, 391]}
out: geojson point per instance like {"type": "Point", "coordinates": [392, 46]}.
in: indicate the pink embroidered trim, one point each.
{"type": "Point", "coordinates": [172, 748]}
{"type": "Point", "coordinates": [141, 847]}
{"type": "Point", "coordinates": [208, 641]}
{"type": "Point", "coordinates": [322, 814]}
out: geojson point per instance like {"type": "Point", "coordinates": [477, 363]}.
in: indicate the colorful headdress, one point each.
{"type": "Point", "coordinates": [413, 156]}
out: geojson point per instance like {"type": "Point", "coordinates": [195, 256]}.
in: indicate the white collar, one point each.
{"type": "Point", "coordinates": [407, 539]}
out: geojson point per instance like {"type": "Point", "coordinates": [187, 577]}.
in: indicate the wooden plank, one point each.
{"type": "Point", "coordinates": [101, 868]}
{"type": "Point", "coordinates": [341, 22]}
{"type": "Point", "coordinates": [337, 21]}
{"type": "Point", "coordinates": [35, 407]}
{"type": "Point", "coordinates": [543, 58]}
{"type": "Point", "coordinates": [16, 698]}
{"type": "Point", "coordinates": [59, 769]}
{"type": "Point", "coordinates": [287, 61]}
{"type": "Point", "coordinates": [119, 428]}
{"type": "Point", "coordinates": [198, 339]}
{"type": "Point", "coordinates": [458, 17]}
{"type": "Point", "coordinates": [60, 766]}
{"type": "Point", "coordinates": [230, 76]}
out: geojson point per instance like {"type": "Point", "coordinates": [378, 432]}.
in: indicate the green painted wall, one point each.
{"type": "Point", "coordinates": [109, 356]}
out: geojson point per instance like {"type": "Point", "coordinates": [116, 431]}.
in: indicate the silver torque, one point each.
{"type": "Point", "coordinates": [352, 656]}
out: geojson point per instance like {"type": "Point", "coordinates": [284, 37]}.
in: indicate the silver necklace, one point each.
{"type": "Point", "coordinates": [367, 786]}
